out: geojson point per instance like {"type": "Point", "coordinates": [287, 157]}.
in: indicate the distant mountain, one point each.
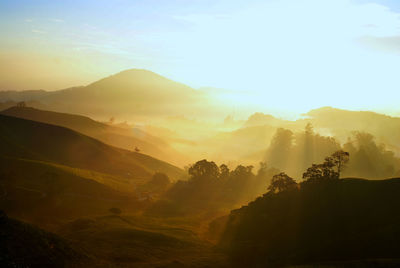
{"type": "Point", "coordinates": [27, 139]}
{"type": "Point", "coordinates": [25, 95]}
{"type": "Point", "coordinates": [126, 138]}
{"type": "Point", "coordinates": [334, 223]}
{"type": "Point", "coordinates": [129, 94]}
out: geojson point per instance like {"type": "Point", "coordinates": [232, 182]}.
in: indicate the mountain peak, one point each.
{"type": "Point", "coordinates": [140, 75]}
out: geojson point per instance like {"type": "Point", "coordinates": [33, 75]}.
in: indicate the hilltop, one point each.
{"type": "Point", "coordinates": [327, 222]}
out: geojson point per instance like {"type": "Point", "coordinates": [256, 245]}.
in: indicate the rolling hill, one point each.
{"type": "Point", "coordinates": [27, 139]}
{"type": "Point", "coordinates": [44, 192]}
{"type": "Point", "coordinates": [126, 138]}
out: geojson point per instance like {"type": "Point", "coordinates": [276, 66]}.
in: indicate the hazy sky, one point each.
{"type": "Point", "coordinates": [285, 54]}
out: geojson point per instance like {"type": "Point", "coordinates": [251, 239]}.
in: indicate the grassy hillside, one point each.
{"type": "Point", "coordinates": [127, 138]}
{"type": "Point", "coordinates": [23, 245]}
{"type": "Point", "coordinates": [137, 241]}
{"type": "Point", "coordinates": [344, 220]}
{"type": "Point", "coordinates": [47, 193]}
{"type": "Point", "coordinates": [38, 141]}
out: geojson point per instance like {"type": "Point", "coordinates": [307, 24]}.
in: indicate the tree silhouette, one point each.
{"type": "Point", "coordinates": [224, 171]}
{"type": "Point", "coordinates": [340, 159]}
{"type": "Point", "coordinates": [330, 169]}
{"type": "Point", "coordinates": [21, 104]}
{"type": "Point", "coordinates": [159, 182]}
{"type": "Point", "coordinates": [204, 168]}
{"type": "Point", "coordinates": [281, 182]}
{"type": "Point", "coordinates": [115, 211]}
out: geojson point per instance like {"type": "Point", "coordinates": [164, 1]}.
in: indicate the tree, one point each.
{"type": "Point", "coordinates": [340, 159]}
{"type": "Point", "coordinates": [159, 182]}
{"type": "Point", "coordinates": [281, 182]}
{"type": "Point", "coordinates": [224, 169]}
{"type": "Point", "coordinates": [263, 169]}
{"type": "Point", "coordinates": [21, 104]}
{"type": "Point", "coordinates": [137, 149]}
{"type": "Point", "coordinates": [115, 211]}
{"type": "Point", "coordinates": [279, 150]}
{"type": "Point", "coordinates": [160, 179]}
{"type": "Point", "coordinates": [204, 168]}
{"type": "Point", "coordinates": [319, 172]}
{"type": "Point", "coordinates": [308, 145]}
{"type": "Point", "coordinates": [330, 169]}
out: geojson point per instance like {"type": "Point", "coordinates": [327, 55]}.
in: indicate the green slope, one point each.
{"type": "Point", "coordinates": [44, 192]}
{"type": "Point", "coordinates": [38, 141]}
{"type": "Point", "coordinates": [126, 138]}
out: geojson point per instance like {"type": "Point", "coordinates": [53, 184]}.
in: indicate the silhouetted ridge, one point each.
{"type": "Point", "coordinates": [343, 220]}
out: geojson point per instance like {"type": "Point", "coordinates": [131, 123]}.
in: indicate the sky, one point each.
{"type": "Point", "coordinates": [274, 55]}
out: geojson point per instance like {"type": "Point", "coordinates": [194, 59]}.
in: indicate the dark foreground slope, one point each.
{"type": "Point", "coordinates": [46, 194]}
{"type": "Point", "coordinates": [338, 221]}
{"type": "Point", "coordinates": [23, 245]}
{"type": "Point", "coordinates": [33, 140]}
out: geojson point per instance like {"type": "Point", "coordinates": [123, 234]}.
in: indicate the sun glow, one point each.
{"type": "Point", "coordinates": [285, 55]}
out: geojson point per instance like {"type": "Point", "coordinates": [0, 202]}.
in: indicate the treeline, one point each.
{"type": "Point", "coordinates": [321, 219]}
{"type": "Point", "coordinates": [295, 152]}
{"type": "Point", "coordinates": [212, 188]}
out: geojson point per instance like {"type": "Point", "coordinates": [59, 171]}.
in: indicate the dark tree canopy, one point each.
{"type": "Point", "coordinates": [160, 178]}
{"type": "Point", "coordinates": [224, 169]}
{"type": "Point", "coordinates": [204, 168]}
{"type": "Point", "coordinates": [328, 170]}
{"type": "Point", "coordinates": [115, 211]}
{"type": "Point", "coordinates": [281, 182]}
